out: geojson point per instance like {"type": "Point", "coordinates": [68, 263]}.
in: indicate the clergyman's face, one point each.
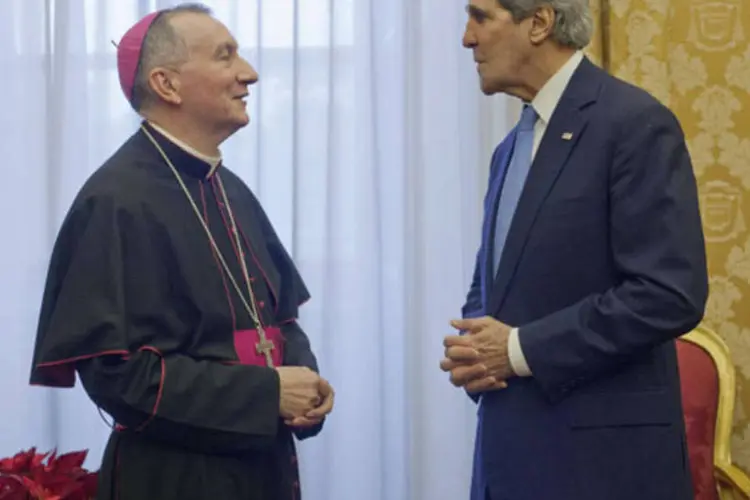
{"type": "Point", "coordinates": [214, 81]}
{"type": "Point", "coordinates": [500, 45]}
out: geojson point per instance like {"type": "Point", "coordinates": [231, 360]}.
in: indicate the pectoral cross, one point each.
{"type": "Point", "coordinates": [265, 347]}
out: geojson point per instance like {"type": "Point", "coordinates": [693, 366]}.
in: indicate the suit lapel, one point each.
{"type": "Point", "coordinates": [498, 166]}
{"type": "Point", "coordinates": [563, 133]}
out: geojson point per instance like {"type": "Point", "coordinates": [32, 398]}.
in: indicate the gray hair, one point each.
{"type": "Point", "coordinates": [573, 23]}
{"type": "Point", "coordinates": [162, 46]}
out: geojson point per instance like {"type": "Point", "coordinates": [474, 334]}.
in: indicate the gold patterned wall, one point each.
{"type": "Point", "coordinates": [694, 55]}
{"type": "Point", "coordinates": [595, 50]}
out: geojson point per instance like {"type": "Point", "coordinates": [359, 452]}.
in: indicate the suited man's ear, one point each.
{"type": "Point", "coordinates": [542, 24]}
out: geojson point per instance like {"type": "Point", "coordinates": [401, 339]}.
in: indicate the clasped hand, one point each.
{"type": "Point", "coordinates": [478, 359]}
{"type": "Point", "coordinates": [305, 397]}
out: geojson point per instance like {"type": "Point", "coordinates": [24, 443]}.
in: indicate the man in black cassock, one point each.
{"type": "Point", "coordinates": [170, 294]}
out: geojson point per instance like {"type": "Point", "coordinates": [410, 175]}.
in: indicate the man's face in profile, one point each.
{"type": "Point", "coordinates": [500, 45]}
{"type": "Point", "coordinates": [213, 83]}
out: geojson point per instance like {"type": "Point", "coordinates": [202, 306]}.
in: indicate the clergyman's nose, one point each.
{"type": "Point", "coordinates": [248, 75]}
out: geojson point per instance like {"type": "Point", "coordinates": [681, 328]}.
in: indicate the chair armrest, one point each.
{"type": "Point", "coordinates": [734, 477]}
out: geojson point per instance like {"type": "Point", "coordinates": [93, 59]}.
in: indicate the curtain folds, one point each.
{"type": "Point", "coordinates": [368, 146]}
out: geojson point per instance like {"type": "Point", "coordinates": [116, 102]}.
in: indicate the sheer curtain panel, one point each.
{"type": "Point", "coordinates": [368, 147]}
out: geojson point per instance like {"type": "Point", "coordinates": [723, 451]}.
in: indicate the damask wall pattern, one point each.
{"type": "Point", "coordinates": [595, 50]}
{"type": "Point", "coordinates": [694, 55]}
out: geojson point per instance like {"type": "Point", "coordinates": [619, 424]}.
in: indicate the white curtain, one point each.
{"type": "Point", "coordinates": [368, 147]}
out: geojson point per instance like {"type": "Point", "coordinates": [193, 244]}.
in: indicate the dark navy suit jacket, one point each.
{"type": "Point", "coordinates": [604, 266]}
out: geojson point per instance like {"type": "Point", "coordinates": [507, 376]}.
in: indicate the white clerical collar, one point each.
{"type": "Point", "coordinates": [549, 95]}
{"type": "Point", "coordinates": [214, 161]}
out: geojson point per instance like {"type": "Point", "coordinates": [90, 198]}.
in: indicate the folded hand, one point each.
{"type": "Point", "coordinates": [323, 406]}
{"type": "Point", "coordinates": [478, 360]}
{"type": "Point", "coordinates": [299, 390]}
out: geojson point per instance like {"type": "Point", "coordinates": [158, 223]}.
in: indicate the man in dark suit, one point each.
{"type": "Point", "coordinates": [592, 262]}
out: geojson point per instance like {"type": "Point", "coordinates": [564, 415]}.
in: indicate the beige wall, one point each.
{"type": "Point", "coordinates": [694, 55]}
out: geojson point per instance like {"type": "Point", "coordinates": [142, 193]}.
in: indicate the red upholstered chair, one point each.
{"type": "Point", "coordinates": [708, 393]}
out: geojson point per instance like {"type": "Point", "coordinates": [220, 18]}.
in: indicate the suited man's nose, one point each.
{"type": "Point", "coordinates": [469, 40]}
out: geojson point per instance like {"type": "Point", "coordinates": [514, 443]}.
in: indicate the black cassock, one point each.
{"type": "Point", "coordinates": [138, 304]}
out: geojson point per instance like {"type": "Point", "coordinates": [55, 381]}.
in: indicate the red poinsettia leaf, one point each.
{"type": "Point", "coordinates": [39, 475]}
{"type": "Point", "coordinates": [51, 457]}
{"type": "Point", "coordinates": [12, 488]}
{"type": "Point", "coordinates": [37, 460]}
{"type": "Point", "coordinates": [80, 489]}
{"type": "Point", "coordinates": [48, 476]}
{"type": "Point", "coordinates": [15, 493]}
{"type": "Point", "coordinates": [68, 491]}
{"type": "Point", "coordinates": [52, 481]}
{"type": "Point", "coordinates": [18, 464]}
{"type": "Point", "coordinates": [36, 490]}
{"type": "Point", "coordinates": [69, 461]}
{"type": "Point", "coordinates": [90, 484]}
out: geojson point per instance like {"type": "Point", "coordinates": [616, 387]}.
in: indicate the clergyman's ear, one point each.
{"type": "Point", "coordinates": [165, 84]}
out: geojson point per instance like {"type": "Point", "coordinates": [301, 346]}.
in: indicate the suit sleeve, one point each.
{"type": "Point", "coordinates": [203, 405]}
{"type": "Point", "coordinates": [472, 308]}
{"type": "Point", "coordinates": [657, 246]}
{"type": "Point", "coordinates": [297, 352]}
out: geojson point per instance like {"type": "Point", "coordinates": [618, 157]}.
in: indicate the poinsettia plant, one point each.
{"type": "Point", "coordinates": [46, 476]}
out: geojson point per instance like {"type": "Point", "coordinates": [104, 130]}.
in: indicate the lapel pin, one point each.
{"type": "Point", "coordinates": [567, 136]}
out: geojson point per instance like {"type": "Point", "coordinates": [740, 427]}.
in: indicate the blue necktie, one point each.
{"type": "Point", "coordinates": [515, 178]}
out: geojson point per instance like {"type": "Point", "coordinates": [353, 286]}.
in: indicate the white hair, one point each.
{"type": "Point", "coordinates": [573, 23]}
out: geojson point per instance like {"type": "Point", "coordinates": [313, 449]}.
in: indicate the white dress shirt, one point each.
{"type": "Point", "coordinates": [544, 104]}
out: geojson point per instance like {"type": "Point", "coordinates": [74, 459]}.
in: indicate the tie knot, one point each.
{"type": "Point", "coordinates": [528, 118]}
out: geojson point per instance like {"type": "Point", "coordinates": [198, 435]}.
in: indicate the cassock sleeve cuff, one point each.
{"type": "Point", "coordinates": [515, 354]}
